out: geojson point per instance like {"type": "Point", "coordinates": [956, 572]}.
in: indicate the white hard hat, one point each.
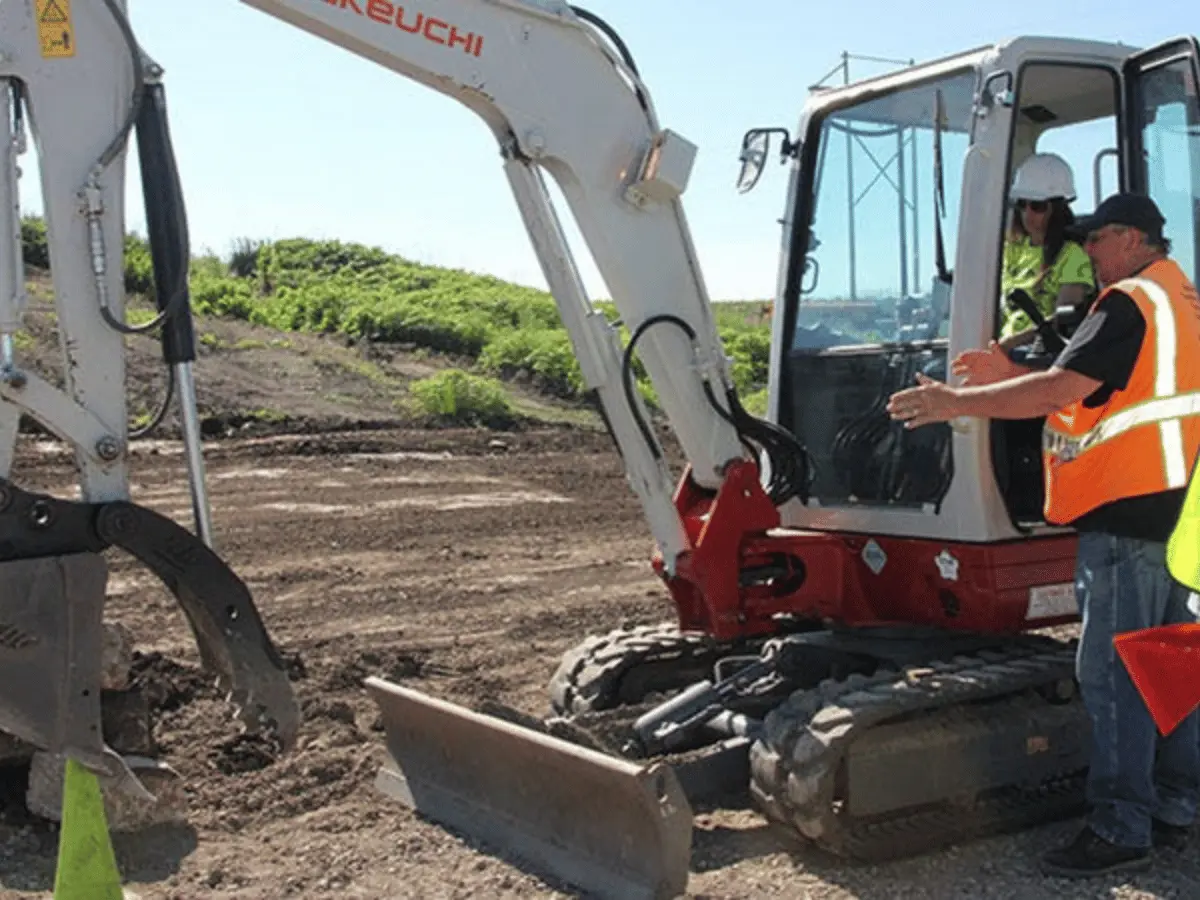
{"type": "Point", "coordinates": [1043, 176]}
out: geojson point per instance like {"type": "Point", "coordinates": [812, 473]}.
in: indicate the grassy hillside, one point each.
{"type": "Point", "coordinates": [490, 331]}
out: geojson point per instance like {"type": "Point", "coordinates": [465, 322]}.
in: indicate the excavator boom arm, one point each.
{"type": "Point", "coordinates": [561, 100]}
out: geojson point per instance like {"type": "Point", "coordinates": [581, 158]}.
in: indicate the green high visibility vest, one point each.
{"type": "Point", "coordinates": [1183, 547]}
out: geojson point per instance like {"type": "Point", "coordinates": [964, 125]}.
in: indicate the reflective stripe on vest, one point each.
{"type": "Point", "coordinates": [1143, 439]}
{"type": "Point", "coordinates": [1166, 409]}
{"type": "Point", "coordinates": [1165, 381]}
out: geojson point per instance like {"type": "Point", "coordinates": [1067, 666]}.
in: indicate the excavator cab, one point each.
{"type": "Point", "coordinates": [895, 225]}
{"type": "Point", "coordinates": [873, 297]}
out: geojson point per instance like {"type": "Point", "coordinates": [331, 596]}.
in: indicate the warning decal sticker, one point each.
{"type": "Point", "coordinates": [54, 27]}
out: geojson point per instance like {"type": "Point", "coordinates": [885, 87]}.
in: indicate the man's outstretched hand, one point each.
{"type": "Point", "coordinates": [977, 367]}
{"type": "Point", "coordinates": [929, 402]}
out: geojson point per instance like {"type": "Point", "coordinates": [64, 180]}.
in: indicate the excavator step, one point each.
{"type": "Point", "coordinates": [609, 826]}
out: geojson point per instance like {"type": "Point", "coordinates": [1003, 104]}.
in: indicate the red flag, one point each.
{"type": "Point", "coordinates": [1164, 664]}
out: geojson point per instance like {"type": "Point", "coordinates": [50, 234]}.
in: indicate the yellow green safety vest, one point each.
{"type": "Point", "coordinates": [1183, 547]}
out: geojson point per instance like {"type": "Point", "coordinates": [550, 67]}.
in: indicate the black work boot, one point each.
{"type": "Point", "coordinates": [1089, 854]}
{"type": "Point", "coordinates": [1170, 837]}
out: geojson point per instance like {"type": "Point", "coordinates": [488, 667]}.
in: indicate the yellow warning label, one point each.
{"type": "Point", "coordinates": [55, 33]}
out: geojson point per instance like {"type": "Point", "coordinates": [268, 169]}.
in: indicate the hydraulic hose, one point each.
{"type": "Point", "coordinates": [790, 465]}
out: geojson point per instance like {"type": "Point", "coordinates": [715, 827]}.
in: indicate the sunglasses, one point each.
{"type": "Point", "coordinates": [1095, 237]}
{"type": "Point", "coordinates": [1037, 206]}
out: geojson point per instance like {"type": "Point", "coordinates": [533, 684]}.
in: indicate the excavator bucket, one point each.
{"type": "Point", "coordinates": [606, 825]}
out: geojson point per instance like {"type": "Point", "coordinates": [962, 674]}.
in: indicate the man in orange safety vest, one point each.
{"type": "Point", "coordinates": [1122, 408]}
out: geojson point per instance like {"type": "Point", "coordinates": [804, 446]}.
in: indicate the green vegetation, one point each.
{"type": "Point", "coordinates": [269, 416]}
{"type": "Point", "coordinates": [139, 316]}
{"type": "Point", "coordinates": [250, 344]}
{"type": "Point", "coordinates": [490, 328]}
{"type": "Point", "coordinates": [33, 242]}
{"type": "Point", "coordinates": [464, 399]}
{"type": "Point", "coordinates": [364, 369]}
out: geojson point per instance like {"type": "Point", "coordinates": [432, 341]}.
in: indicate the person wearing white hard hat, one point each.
{"type": "Point", "coordinates": [1038, 256]}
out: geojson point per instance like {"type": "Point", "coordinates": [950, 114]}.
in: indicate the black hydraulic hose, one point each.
{"type": "Point", "coordinates": [161, 189]}
{"type": "Point", "coordinates": [160, 413]}
{"type": "Point", "coordinates": [791, 466]}
{"type": "Point", "coordinates": [118, 143]}
{"type": "Point", "coordinates": [115, 146]}
{"type": "Point", "coordinates": [139, 86]}
{"type": "Point", "coordinates": [170, 254]}
{"type": "Point", "coordinates": [166, 226]}
{"type": "Point", "coordinates": [791, 469]}
{"type": "Point", "coordinates": [611, 34]}
{"type": "Point", "coordinates": [627, 374]}
{"type": "Point", "coordinates": [18, 100]}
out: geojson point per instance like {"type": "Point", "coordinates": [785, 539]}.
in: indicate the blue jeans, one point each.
{"type": "Point", "coordinates": [1122, 585]}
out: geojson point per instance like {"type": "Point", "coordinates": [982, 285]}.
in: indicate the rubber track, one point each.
{"type": "Point", "coordinates": [794, 766]}
{"type": "Point", "coordinates": [588, 678]}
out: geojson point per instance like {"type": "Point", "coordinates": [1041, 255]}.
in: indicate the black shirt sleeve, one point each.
{"type": "Point", "coordinates": [1106, 345]}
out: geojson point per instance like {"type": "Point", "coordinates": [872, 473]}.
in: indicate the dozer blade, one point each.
{"type": "Point", "coordinates": [609, 826]}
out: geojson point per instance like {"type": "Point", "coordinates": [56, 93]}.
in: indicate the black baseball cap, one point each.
{"type": "Point", "coordinates": [1132, 210]}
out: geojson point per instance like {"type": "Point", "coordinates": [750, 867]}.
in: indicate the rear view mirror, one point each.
{"type": "Point", "coordinates": [753, 157]}
{"type": "Point", "coordinates": [755, 147]}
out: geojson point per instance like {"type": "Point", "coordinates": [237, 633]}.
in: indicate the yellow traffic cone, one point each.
{"type": "Point", "coordinates": [87, 866]}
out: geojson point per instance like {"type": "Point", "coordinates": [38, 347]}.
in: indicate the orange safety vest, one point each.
{"type": "Point", "coordinates": [1146, 437]}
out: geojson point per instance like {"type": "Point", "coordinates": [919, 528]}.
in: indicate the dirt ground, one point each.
{"type": "Point", "coordinates": [462, 563]}
{"type": "Point", "coordinates": [461, 566]}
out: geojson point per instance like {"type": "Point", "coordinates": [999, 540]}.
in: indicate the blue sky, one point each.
{"type": "Point", "coordinates": [280, 134]}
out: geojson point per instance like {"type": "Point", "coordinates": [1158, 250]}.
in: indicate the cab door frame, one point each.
{"type": "Point", "coordinates": [1137, 176]}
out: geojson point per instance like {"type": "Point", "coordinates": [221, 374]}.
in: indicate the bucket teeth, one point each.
{"type": "Point", "coordinates": [232, 640]}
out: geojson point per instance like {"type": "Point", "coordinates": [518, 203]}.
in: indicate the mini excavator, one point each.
{"type": "Point", "coordinates": [863, 635]}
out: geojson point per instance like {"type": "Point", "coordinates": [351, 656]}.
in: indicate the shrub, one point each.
{"type": "Point", "coordinates": [139, 266]}
{"type": "Point", "coordinates": [365, 293]}
{"type": "Point", "coordinates": [217, 296]}
{"type": "Point", "coordinates": [543, 355]}
{"type": "Point", "coordinates": [294, 260]}
{"type": "Point", "coordinates": [209, 265]}
{"type": "Point", "coordinates": [243, 259]}
{"type": "Point", "coordinates": [751, 353]}
{"type": "Point", "coordinates": [33, 242]}
{"type": "Point", "coordinates": [756, 403]}
{"type": "Point", "coordinates": [459, 397]}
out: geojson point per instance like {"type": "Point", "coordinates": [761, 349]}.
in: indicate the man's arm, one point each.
{"type": "Point", "coordinates": [1098, 360]}
{"type": "Point", "coordinates": [976, 367]}
{"type": "Point", "coordinates": [1106, 346]}
{"type": "Point", "coordinates": [1024, 397]}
